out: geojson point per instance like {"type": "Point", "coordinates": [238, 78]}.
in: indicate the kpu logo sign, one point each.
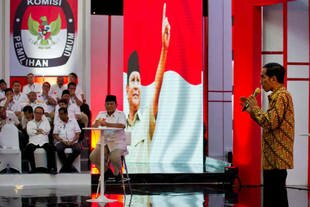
{"type": "Point", "coordinates": [43, 32]}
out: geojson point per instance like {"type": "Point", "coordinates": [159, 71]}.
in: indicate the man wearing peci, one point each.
{"type": "Point", "coordinates": [115, 140]}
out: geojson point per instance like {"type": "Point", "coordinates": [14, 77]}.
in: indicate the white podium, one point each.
{"type": "Point", "coordinates": [101, 198]}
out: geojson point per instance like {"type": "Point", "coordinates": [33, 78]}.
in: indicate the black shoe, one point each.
{"type": "Point", "coordinates": [108, 174]}
{"type": "Point", "coordinates": [53, 171]}
{"type": "Point", "coordinates": [63, 170]}
{"type": "Point", "coordinates": [73, 170]}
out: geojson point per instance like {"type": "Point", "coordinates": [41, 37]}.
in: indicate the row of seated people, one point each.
{"type": "Point", "coordinates": [45, 92]}
{"type": "Point", "coordinates": [17, 106]}
{"type": "Point", "coordinates": [18, 103]}
{"type": "Point", "coordinates": [37, 133]}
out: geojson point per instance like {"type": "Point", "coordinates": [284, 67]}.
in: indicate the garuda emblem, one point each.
{"type": "Point", "coordinates": [43, 30]}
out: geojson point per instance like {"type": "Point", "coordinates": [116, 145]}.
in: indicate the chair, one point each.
{"type": "Point", "coordinates": [76, 163]}
{"type": "Point", "coordinates": [40, 158]}
{"type": "Point", "coordinates": [10, 153]}
{"type": "Point", "coordinates": [127, 179]}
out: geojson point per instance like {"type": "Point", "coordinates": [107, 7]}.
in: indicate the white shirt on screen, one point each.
{"type": "Point", "coordinates": [139, 150]}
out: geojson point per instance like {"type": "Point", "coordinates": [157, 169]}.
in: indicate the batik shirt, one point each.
{"type": "Point", "coordinates": [278, 130]}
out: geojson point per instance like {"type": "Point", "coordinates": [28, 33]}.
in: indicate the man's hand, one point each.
{"type": "Point", "coordinates": [40, 131]}
{"type": "Point", "coordinates": [249, 102]}
{"type": "Point", "coordinates": [252, 101]}
{"type": "Point", "coordinates": [102, 122]}
{"type": "Point", "coordinates": [9, 99]}
{"type": "Point", "coordinates": [18, 114]}
{"type": "Point", "coordinates": [165, 32]}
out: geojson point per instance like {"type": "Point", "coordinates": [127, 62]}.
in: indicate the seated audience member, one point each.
{"type": "Point", "coordinates": [3, 86]}
{"type": "Point", "coordinates": [47, 98]}
{"type": "Point", "coordinates": [73, 78]}
{"type": "Point", "coordinates": [58, 88]}
{"type": "Point", "coordinates": [33, 101]}
{"type": "Point", "coordinates": [31, 86]}
{"type": "Point", "coordinates": [10, 104]}
{"type": "Point", "coordinates": [19, 97]}
{"type": "Point", "coordinates": [66, 135]}
{"type": "Point", "coordinates": [74, 111]}
{"type": "Point", "coordinates": [115, 142]}
{"type": "Point", "coordinates": [8, 117]}
{"type": "Point", "coordinates": [26, 117]}
{"type": "Point", "coordinates": [38, 130]}
{"type": "Point", "coordinates": [74, 97]}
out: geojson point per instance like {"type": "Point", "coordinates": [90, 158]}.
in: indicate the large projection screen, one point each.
{"type": "Point", "coordinates": [163, 92]}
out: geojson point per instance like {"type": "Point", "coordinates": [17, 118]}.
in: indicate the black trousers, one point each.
{"type": "Point", "coordinates": [29, 152]}
{"type": "Point", "coordinates": [275, 193]}
{"type": "Point", "coordinates": [65, 160]}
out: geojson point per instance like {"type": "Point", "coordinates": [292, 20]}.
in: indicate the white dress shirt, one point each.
{"type": "Point", "coordinates": [38, 139]}
{"type": "Point", "coordinates": [21, 99]}
{"type": "Point", "coordinates": [37, 103]}
{"type": "Point", "coordinates": [57, 91]}
{"type": "Point", "coordinates": [73, 110]}
{"type": "Point", "coordinates": [36, 87]}
{"type": "Point", "coordinates": [67, 131]}
{"type": "Point", "coordinates": [12, 106]}
{"type": "Point", "coordinates": [114, 139]}
{"type": "Point", "coordinates": [43, 99]}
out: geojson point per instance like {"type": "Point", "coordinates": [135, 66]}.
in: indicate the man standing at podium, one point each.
{"type": "Point", "coordinates": [115, 141]}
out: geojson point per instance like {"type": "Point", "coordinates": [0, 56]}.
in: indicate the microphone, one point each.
{"type": "Point", "coordinates": [256, 92]}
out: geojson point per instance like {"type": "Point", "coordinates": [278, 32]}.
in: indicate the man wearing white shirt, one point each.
{"type": "Point", "coordinates": [8, 117]}
{"type": "Point", "coordinates": [10, 104]}
{"type": "Point", "coordinates": [66, 135]}
{"type": "Point", "coordinates": [3, 86]}
{"type": "Point", "coordinates": [73, 78]}
{"type": "Point", "coordinates": [31, 85]}
{"type": "Point", "coordinates": [38, 130]}
{"type": "Point", "coordinates": [33, 101]}
{"type": "Point", "coordinates": [58, 88]}
{"type": "Point", "coordinates": [19, 97]}
{"type": "Point", "coordinates": [47, 98]}
{"type": "Point", "coordinates": [75, 98]}
{"type": "Point", "coordinates": [115, 141]}
{"type": "Point", "coordinates": [74, 112]}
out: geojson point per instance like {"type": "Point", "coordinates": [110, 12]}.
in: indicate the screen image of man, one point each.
{"type": "Point", "coordinates": [141, 119]}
